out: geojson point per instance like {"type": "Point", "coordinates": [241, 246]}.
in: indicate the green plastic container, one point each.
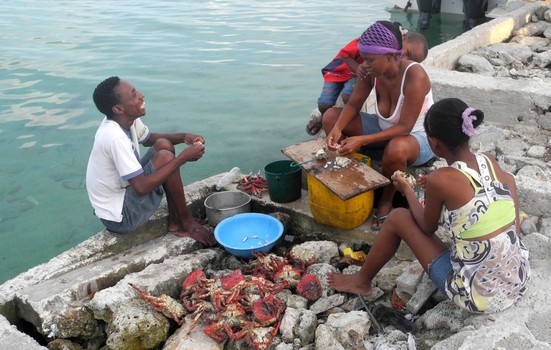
{"type": "Point", "coordinates": [284, 181]}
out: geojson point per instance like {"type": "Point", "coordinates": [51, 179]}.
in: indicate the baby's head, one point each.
{"type": "Point", "coordinates": [452, 122]}
{"type": "Point", "coordinates": [415, 47]}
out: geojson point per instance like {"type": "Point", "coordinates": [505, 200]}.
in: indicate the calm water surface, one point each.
{"type": "Point", "coordinates": [244, 74]}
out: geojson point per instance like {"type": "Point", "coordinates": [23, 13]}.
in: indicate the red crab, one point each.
{"type": "Point", "coordinates": [267, 265]}
{"type": "Point", "coordinates": [164, 304]}
{"type": "Point", "coordinates": [268, 310]}
{"type": "Point", "coordinates": [309, 287]}
{"type": "Point", "coordinates": [259, 338]}
{"type": "Point", "coordinates": [288, 273]}
{"type": "Point", "coordinates": [193, 283]}
{"type": "Point", "coordinates": [225, 323]}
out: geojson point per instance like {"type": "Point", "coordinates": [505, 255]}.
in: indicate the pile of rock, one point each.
{"type": "Point", "coordinates": [526, 55]}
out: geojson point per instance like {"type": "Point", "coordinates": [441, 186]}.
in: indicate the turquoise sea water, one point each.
{"type": "Point", "coordinates": [244, 74]}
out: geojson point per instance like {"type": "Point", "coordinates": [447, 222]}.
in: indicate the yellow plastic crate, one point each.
{"type": "Point", "coordinates": [328, 209]}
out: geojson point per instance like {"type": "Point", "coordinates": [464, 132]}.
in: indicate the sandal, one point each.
{"type": "Point", "coordinates": [314, 124]}
{"type": "Point", "coordinates": [377, 222]}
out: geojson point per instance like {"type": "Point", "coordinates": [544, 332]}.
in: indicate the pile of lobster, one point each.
{"type": "Point", "coordinates": [241, 306]}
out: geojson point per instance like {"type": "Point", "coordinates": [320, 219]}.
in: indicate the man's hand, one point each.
{"type": "Point", "coordinates": [190, 139]}
{"type": "Point", "coordinates": [192, 153]}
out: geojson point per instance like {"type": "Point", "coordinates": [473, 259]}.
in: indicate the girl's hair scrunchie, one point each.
{"type": "Point", "coordinates": [468, 119]}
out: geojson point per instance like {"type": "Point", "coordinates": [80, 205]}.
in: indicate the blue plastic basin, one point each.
{"type": "Point", "coordinates": [244, 234]}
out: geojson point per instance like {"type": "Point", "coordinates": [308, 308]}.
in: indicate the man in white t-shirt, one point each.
{"type": "Point", "coordinates": [126, 189]}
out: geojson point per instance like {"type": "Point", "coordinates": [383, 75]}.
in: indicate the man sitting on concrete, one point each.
{"type": "Point", "coordinates": [125, 189]}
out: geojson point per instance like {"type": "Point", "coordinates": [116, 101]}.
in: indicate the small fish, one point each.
{"type": "Point", "coordinates": [245, 239]}
{"type": "Point", "coordinates": [255, 237]}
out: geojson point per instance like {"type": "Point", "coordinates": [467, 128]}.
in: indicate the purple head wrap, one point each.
{"type": "Point", "coordinates": [468, 118]}
{"type": "Point", "coordinates": [379, 40]}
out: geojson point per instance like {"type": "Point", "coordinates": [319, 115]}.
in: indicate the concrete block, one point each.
{"type": "Point", "coordinates": [12, 339]}
{"type": "Point", "coordinates": [424, 291]}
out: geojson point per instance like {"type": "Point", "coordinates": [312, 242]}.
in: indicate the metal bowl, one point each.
{"type": "Point", "coordinates": [222, 205]}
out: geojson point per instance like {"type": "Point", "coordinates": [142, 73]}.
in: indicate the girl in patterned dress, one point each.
{"type": "Point", "coordinates": [486, 267]}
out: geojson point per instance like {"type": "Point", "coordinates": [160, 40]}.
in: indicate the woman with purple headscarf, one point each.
{"type": "Point", "coordinates": [403, 96]}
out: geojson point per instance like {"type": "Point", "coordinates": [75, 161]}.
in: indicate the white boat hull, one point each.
{"type": "Point", "coordinates": [446, 6]}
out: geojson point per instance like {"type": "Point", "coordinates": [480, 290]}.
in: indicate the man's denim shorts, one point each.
{"type": "Point", "coordinates": [331, 91]}
{"type": "Point", "coordinates": [136, 209]}
{"type": "Point", "coordinates": [370, 125]}
{"type": "Point", "coordinates": [439, 270]}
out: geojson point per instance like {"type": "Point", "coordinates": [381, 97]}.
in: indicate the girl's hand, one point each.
{"type": "Point", "coordinates": [422, 181]}
{"type": "Point", "coordinates": [400, 183]}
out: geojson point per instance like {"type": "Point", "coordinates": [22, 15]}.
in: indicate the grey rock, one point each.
{"type": "Point", "coordinates": [324, 304]}
{"type": "Point", "coordinates": [325, 339]}
{"type": "Point", "coordinates": [324, 250]}
{"type": "Point", "coordinates": [536, 151]}
{"type": "Point", "coordinates": [350, 329]}
{"type": "Point", "coordinates": [298, 324]}
{"type": "Point", "coordinates": [135, 326]}
{"type": "Point", "coordinates": [475, 64]}
{"type": "Point", "coordinates": [533, 28]}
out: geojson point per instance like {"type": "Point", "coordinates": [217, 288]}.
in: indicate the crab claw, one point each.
{"type": "Point", "coordinates": [309, 287]}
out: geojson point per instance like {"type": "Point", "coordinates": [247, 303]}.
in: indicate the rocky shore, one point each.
{"type": "Point", "coordinates": [81, 299]}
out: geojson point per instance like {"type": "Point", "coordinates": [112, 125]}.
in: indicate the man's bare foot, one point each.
{"type": "Point", "coordinates": [197, 232]}
{"type": "Point", "coordinates": [174, 227]}
{"type": "Point", "coordinates": [349, 283]}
